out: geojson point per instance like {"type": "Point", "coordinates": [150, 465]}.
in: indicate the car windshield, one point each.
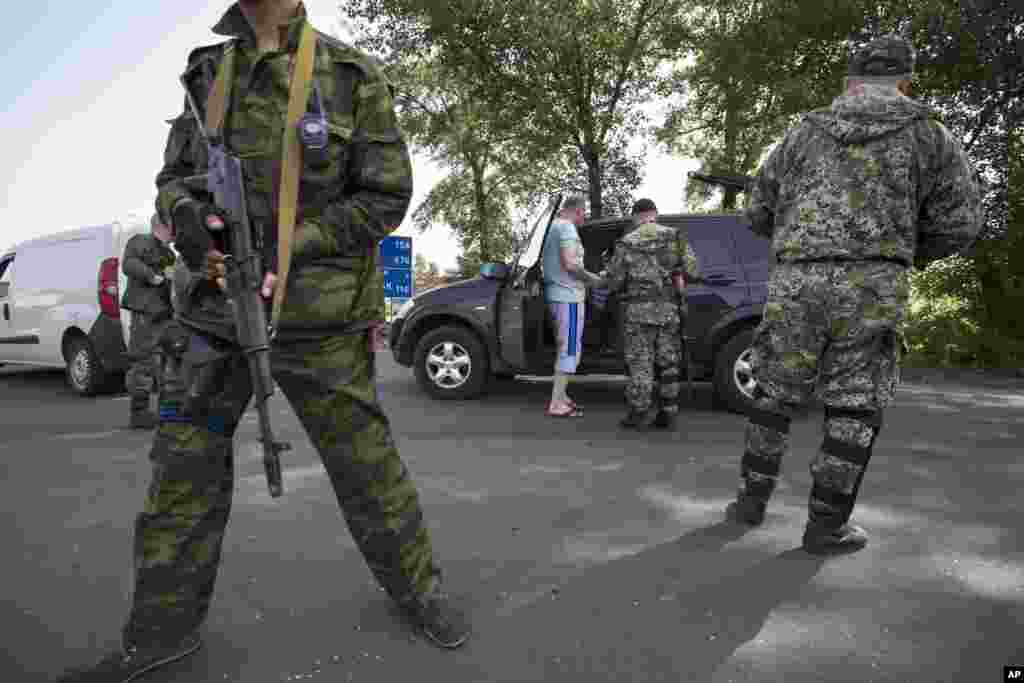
{"type": "Point", "coordinates": [532, 245]}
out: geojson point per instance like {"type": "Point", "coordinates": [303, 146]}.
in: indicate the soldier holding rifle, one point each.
{"type": "Point", "coordinates": [335, 171]}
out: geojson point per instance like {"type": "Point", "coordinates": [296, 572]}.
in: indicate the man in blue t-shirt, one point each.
{"type": "Point", "coordinates": [565, 288]}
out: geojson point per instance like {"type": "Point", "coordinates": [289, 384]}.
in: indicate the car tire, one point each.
{"type": "Point", "coordinates": [84, 372]}
{"type": "Point", "coordinates": [451, 363]}
{"type": "Point", "coordinates": [733, 382]}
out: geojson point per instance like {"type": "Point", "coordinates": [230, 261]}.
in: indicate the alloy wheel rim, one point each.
{"type": "Point", "coordinates": [448, 365]}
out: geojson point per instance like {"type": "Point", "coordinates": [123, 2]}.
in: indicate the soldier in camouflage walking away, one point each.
{"type": "Point", "coordinates": [321, 358]}
{"type": "Point", "coordinates": [851, 198]}
{"type": "Point", "coordinates": [650, 267]}
{"type": "Point", "coordinates": [148, 263]}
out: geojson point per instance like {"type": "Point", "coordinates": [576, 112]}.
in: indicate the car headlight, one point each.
{"type": "Point", "coordinates": [404, 309]}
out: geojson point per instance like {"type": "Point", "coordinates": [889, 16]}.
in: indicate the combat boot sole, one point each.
{"type": "Point", "coordinates": [440, 623]}
{"type": "Point", "coordinates": [132, 662]}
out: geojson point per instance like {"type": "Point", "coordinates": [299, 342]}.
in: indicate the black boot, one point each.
{"type": "Point", "coordinates": [665, 420]}
{"type": "Point", "coordinates": [746, 510]}
{"type": "Point", "coordinates": [131, 662]}
{"type": "Point", "coordinates": [141, 416]}
{"type": "Point", "coordinates": [821, 539]}
{"type": "Point", "coordinates": [638, 420]}
{"type": "Point", "coordinates": [440, 622]}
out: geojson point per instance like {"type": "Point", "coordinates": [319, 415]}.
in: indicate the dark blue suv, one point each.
{"type": "Point", "coordinates": [457, 337]}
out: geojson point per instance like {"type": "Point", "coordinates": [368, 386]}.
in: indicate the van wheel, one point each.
{"type": "Point", "coordinates": [734, 381]}
{"type": "Point", "coordinates": [84, 372]}
{"type": "Point", "coordinates": [451, 363]}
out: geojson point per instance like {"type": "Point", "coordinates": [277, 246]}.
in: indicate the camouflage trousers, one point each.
{"type": "Point", "coordinates": [141, 375]}
{"type": "Point", "coordinates": [830, 328]}
{"type": "Point", "coordinates": [329, 382]}
{"type": "Point", "coordinates": [653, 357]}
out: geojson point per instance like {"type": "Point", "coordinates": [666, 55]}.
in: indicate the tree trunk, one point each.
{"type": "Point", "coordinates": [480, 202]}
{"type": "Point", "coordinates": [594, 182]}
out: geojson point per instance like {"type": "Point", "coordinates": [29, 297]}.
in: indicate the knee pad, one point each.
{"type": "Point", "coordinates": [870, 417]}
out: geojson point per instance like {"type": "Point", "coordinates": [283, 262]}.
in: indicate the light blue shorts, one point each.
{"type": "Point", "coordinates": [568, 319]}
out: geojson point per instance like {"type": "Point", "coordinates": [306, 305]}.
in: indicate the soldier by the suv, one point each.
{"type": "Point", "coordinates": [649, 267]}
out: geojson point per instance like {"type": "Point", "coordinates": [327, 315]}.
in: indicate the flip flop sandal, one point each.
{"type": "Point", "coordinates": [572, 412]}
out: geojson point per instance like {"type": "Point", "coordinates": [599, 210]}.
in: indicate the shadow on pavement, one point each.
{"type": "Point", "coordinates": [674, 612]}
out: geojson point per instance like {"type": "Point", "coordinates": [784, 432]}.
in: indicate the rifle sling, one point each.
{"type": "Point", "coordinates": [291, 150]}
{"type": "Point", "coordinates": [291, 158]}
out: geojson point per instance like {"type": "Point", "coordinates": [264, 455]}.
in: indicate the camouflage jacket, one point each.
{"type": "Point", "coordinates": [641, 271]}
{"type": "Point", "coordinates": [874, 176]}
{"type": "Point", "coordinates": [345, 207]}
{"type": "Point", "coordinates": [144, 257]}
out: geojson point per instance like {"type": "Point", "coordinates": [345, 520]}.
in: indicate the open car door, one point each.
{"type": "Point", "coordinates": [521, 307]}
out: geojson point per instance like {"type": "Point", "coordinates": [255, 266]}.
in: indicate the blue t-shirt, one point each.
{"type": "Point", "coordinates": [559, 286]}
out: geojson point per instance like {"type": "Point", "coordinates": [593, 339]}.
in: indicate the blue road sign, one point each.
{"type": "Point", "coordinates": [396, 252]}
{"type": "Point", "coordinates": [397, 283]}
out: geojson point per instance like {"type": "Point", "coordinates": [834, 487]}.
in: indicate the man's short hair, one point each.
{"type": "Point", "coordinates": [573, 202]}
{"type": "Point", "coordinates": [643, 206]}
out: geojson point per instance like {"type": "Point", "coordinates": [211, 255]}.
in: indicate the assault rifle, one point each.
{"type": "Point", "coordinates": [740, 183]}
{"type": "Point", "coordinates": [244, 279]}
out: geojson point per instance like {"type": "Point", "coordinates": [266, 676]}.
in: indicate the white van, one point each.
{"type": "Point", "coordinates": [59, 304]}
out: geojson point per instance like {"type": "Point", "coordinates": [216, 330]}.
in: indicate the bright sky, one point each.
{"type": "Point", "coordinates": [89, 91]}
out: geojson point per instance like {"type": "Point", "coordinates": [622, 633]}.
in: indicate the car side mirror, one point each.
{"type": "Point", "coordinates": [494, 271]}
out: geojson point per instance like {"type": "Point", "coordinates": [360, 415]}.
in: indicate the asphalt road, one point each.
{"type": "Point", "coordinates": [581, 552]}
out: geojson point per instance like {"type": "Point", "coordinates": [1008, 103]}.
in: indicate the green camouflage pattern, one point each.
{"type": "Point", "coordinates": [321, 357]}
{"type": "Point", "coordinates": [832, 330]}
{"type": "Point", "coordinates": [329, 382]}
{"type": "Point", "coordinates": [360, 196]}
{"type": "Point", "coordinates": [872, 176]}
{"type": "Point", "coordinates": [653, 356]}
{"type": "Point", "coordinates": [641, 270]}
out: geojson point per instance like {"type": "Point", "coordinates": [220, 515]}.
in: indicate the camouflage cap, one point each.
{"type": "Point", "coordinates": [888, 56]}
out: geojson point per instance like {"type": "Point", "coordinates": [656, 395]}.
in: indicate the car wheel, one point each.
{"type": "Point", "coordinates": [451, 363]}
{"type": "Point", "coordinates": [734, 380]}
{"type": "Point", "coordinates": [84, 372]}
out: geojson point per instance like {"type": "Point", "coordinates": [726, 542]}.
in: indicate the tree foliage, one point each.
{"type": "Point", "coordinates": [569, 77]}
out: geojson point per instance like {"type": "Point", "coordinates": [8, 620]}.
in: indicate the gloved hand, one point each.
{"type": "Point", "coordinates": [157, 280]}
{"type": "Point", "coordinates": [193, 221]}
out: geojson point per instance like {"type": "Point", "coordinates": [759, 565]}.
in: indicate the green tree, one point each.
{"type": "Point", "coordinates": [750, 67]}
{"type": "Point", "coordinates": [569, 78]}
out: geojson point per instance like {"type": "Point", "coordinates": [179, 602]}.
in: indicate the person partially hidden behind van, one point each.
{"type": "Point", "coordinates": [148, 264]}
{"type": "Point", "coordinates": [565, 289]}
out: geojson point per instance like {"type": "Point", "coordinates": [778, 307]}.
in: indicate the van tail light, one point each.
{"type": "Point", "coordinates": [108, 288]}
